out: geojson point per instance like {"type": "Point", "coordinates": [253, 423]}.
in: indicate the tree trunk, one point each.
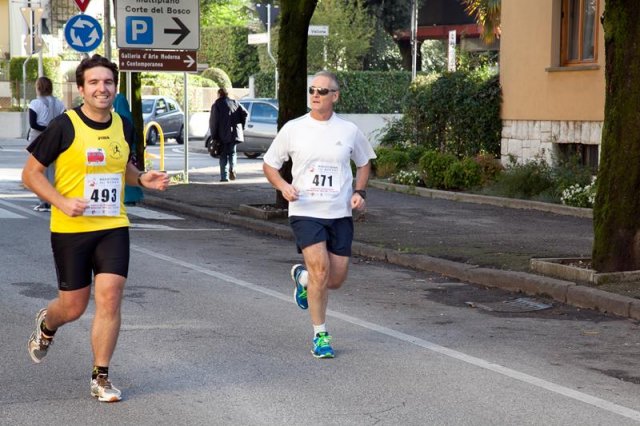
{"type": "Point", "coordinates": [616, 214]}
{"type": "Point", "coordinates": [407, 55]}
{"type": "Point", "coordinates": [295, 16]}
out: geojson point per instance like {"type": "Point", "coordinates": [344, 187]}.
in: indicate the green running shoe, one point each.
{"type": "Point", "coordinates": [299, 292]}
{"type": "Point", "coordinates": [322, 346]}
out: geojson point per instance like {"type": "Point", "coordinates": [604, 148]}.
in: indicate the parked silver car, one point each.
{"type": "Point", "coordinates": [261, 127]}
{"type": "Point", "coordinates": [167, 113]}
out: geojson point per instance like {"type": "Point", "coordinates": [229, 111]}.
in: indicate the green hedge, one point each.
{"type": "Point", "coordinates": [361, 92]}
{"type": "Point", "coordinates": [50, 68]}
{"type": "Point", "coordinates": [172, 84]}
{"type": "Point", "coordinates": [457, 112]}
{"type": "Point", "coordinates": [226, 48]}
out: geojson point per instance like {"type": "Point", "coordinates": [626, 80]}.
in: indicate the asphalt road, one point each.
{"type": "Point", "coordinates": [211, 335]}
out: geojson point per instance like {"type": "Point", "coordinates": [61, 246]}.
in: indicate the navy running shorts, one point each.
{"type": "Point", "coordinates": [79, 255]}
{"type": "Point", "coordinates": [338, 233]}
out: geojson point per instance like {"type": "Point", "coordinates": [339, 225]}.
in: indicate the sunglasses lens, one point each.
{"type": "Point", "coordinates": [322, 91]}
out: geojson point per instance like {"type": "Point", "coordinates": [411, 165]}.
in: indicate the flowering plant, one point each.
{"type": "Point", "coordinates": [580, 196]}
{"type": "Point", "coordinates": [404, 177]}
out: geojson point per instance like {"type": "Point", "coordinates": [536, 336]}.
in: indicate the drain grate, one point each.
{"type": "Point", "coordinates": [521, 304]}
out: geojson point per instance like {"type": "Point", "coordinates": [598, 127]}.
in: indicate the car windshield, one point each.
{"type": "Point", "coordinates": [147, 106]}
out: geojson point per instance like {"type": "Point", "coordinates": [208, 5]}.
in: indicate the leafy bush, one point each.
{"type": "Point", "coordinates": [457, 112]}
{"type": "Point", "coordinates": [227, 48]}
{"type": "Point", "coordinates": [433, 167]}
{"type": "Point", "coordinates": [50, 68]}
{"type": "Point", "coordinates": [404, 177]}
{"type": "Point", "coordinates": [462, 174]}
{"type": "Point", "coordinates": [490, 167]}
{"type": "Point", "coordinates": [390, 161]}
{"type": "Point", "coordinates": [531, 180]}
{"type": "Point", "coordinates": [360, 91]}
{"type": "Point", "coordinates": [171, 84]}
{"type": "Point", "coordinates": [218, 76]}
{"type": "Point", "coordinates": [569, 172]}
{"type": "Point", "coordinates": [579, 196]}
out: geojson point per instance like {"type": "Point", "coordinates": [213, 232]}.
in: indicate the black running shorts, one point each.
{"type": "Point", "coordinates": [79, 255]}
{"type": "Point", "coordinates": [338, 233]}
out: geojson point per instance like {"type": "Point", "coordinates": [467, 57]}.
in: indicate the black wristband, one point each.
{"type": "Point", "coordinates": [361, 192]}
{"type": "Point", "coordinates": [139, 180]}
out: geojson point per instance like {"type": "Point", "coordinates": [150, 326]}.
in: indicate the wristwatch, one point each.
{"type": "Point", "coordinates": [361, 192]}
{"type": "Point", "coordinates": [140, 179]}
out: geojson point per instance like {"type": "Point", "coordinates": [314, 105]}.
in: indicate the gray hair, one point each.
{"type": "Point", "coordinates": [331, 76]}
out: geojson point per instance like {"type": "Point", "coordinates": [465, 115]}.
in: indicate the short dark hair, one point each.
{"type": "Point", "coordinates": [92, 62]}
{"type": "Point", "coordinates": [44, 86]}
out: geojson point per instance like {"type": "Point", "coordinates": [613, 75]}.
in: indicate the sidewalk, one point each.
{"type": "Point", "coordinates": [486, 244]}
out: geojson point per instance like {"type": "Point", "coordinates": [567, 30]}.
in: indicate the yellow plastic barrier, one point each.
{"type": "Point", "coordinates": [161, 134]}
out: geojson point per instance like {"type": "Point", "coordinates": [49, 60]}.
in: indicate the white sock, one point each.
{"type": "Point", "coordinates": [322, 328]}
{"type": "Point", "coordinates": [304, 278]}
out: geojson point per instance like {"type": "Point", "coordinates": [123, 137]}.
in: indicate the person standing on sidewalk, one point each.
{"type": "Point", "coordinates": [226, 124]}
{"type": "Point", "coordinates": [89, 146]}
{"type": "Point", "coordinates": [44, 108]}
{"type": "Point", "coordinates": [321, 146]}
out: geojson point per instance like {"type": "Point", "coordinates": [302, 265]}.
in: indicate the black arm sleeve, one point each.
{"type": "Point", "coordinates": [55, 139]}
{"type": "Point", "coordinates": [33, 121]}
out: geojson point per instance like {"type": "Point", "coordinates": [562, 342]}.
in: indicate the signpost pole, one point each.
{"type": "Point", "coordinates": [185, 127]}
{"type": "Point", "coordinates": [269, 48]}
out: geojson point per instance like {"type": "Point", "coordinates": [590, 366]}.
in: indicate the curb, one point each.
{"type": "Point", "coordinates": [566, 292]}
{"type": "Point", "coordinates": [512, 203]}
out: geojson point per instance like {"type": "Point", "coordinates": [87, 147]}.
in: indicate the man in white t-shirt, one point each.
{"type": "Point", "coordinates": [321, 146]}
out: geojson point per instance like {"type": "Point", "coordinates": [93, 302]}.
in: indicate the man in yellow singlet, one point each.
{"type": "Point", "coordinates": [89, 146]}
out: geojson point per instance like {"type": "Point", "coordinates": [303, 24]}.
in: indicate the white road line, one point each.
{"type": "Point", "coordinates": [460, 356]}
{"type": "Point", "coordinates": [145, 213]}
{"type": "Point", "coordinates": [25, 210]}
{"type": "Point", "coordinates": [6, 214]}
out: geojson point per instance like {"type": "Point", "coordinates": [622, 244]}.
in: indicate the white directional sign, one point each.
{"type": "Point", "coordinates": [260, 38]}
{"type": "Point", "coordinates": [318, 30]}
{"type": "Point", "coordinates": [158, 25]}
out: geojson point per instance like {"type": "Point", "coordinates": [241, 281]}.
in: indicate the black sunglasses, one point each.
{"type": "Point", "coordinates": [322, 91]}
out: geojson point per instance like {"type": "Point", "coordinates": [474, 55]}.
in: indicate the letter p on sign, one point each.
{"type": "Point", "coordinates": [139, 30]}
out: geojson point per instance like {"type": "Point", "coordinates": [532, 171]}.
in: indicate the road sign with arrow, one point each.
{"type": "Point", "coordinates": [158, 25]}
{"type": "Point", "coordinates": [83, 33]}
{"type": "Point", "coordinates": [158, 60]}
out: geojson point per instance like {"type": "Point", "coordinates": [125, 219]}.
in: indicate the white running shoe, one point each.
{"type": "Point", "coordinates": [102, 389]}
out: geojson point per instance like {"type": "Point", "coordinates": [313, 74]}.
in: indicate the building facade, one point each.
{"type": "Point", "coordinates": [552, 72]}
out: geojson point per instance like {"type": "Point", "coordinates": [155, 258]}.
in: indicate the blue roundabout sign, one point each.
{"type": "Point", "coordinates": [83, 33]}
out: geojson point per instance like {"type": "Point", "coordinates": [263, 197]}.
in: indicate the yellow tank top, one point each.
{"type": "Point", "coordinates": [93, 168]}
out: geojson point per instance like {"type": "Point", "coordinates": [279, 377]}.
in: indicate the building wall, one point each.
{"type": "Point", "coordinates": [4, 28]}
{"type": "Point", "coordinates": [537, 92]}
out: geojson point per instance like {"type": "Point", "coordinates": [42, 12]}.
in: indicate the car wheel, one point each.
{"type": "Point", "coordinates": [180, 136]}
{"type": "Point", "coordinates": [209, 145]}
{"type": "Point", "coordinates": [252, 155]}
{"type": "Point", "coordinates": [152, 136]}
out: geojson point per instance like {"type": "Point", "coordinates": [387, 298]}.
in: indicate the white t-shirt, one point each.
{"type": "Point", "coordinates": [321, 152]}
{"type": "Point", "coordinates": [46, 108]}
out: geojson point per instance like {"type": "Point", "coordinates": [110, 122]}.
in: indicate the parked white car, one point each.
{"type": "Point", "coordinates": [260, 130]}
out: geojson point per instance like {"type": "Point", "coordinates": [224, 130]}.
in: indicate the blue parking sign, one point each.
{"type": "Point", "coordinates": [139, 30]}
{"type": "Point", "coordinates": [83, 33]}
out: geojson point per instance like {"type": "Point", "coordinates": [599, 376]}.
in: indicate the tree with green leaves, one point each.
{"type": "Point", "coordinates": [487, 13]}
{"type": "Point", "coordinates": [394, 16]}
{"type": "Point", "coordinates": [295, 16]}
{"type": "Point", "coordinates": [616, 221]}
{"type": "Point", "coordinates": [223, 13]}
{"type": "Point", "coordinates": [350, 32]}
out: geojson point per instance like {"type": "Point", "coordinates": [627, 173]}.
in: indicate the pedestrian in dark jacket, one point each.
{"type": "Point", "coordinates": [226, 124]}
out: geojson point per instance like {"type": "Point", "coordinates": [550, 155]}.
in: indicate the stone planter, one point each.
{"type": "Point", "coordinates": [12, 124]}
{"type": "Point", "coordinates": [577, 269]}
